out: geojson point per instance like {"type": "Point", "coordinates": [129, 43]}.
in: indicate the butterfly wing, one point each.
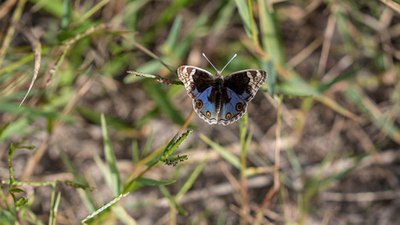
{"type": "Point", "coordinates": [238, 89]}
{"type": "Point", "coordinates": [199, 86]}
{"type": "Point", "coordinates": [245, 83]}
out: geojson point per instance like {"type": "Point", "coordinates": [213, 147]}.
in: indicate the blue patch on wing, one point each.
{"type": "Point", "coordinates": [207, 111]}
{"type": "Point", "coordinates": [195, 93]}
{"type": "Point", "coordinates": [234, 108]}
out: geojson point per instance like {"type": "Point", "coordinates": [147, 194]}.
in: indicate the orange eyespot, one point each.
{"type": "Point", "coordinates": [239, 106]}
{"type": "Point", "coordinates": [199, 104]}
{"type": "Point", "coordinates": [228, 116]}
{"type": "Point", "coordinates": [208, 114]}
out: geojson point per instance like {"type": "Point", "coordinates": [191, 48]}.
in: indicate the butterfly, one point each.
{"type": "Point", "coordinates": [220, 100]}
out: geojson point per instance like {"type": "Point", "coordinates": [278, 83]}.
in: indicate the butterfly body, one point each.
{"type": "Point", "coordinates": [220, 100]}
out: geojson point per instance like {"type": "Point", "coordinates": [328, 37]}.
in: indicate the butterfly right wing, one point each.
{"type": "Point", "coordinates": [245, 83]}
{"type": "Point", "coordinates": [199, 86]}
{"type": "Point", "coordinates": [239, 88]}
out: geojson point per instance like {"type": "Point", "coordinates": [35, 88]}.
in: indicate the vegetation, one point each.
{"type": "Point", "coordinates": [84, 139]}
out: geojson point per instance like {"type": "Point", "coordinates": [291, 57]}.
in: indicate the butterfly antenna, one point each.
{"type": "Point", "coordinates": [204, 55]}
{"type": "Point", "coordinates": [219, 71]}
{"type": "Point", "coordinates": [234, 56]}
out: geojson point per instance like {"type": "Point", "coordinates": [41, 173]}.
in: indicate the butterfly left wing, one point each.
{"type": "Point", "coordinates": [195, 80]}
{"type": "Point", "coordinates": [199, 86]}
{"type": "Point", "coordinates": [239, 88]}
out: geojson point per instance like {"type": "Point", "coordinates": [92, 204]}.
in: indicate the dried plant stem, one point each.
{"type": "Point", "coordinates": [11, 30]}
{"type": "Point", "coordinates": [275, 188]}
{"type": "Point", "coordinates": [37, 49]}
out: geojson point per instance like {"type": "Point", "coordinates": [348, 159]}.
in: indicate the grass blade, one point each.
{"type": "Point", "coordinates": [113, 173]}
{"type": "Point", "coordinates": [231, 158]}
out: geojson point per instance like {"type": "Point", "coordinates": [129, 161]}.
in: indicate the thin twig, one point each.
{"type": "Point", "coordinates": [156, 77]}
{"type": "Point", "coordinates": [154, 56]}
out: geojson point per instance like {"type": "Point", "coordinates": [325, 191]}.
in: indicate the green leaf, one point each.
{"type": "Point", "coordinates": [174, 143]}
{"type": "Point", "coordinates": [21, 202]}
{"type": "Point", "coordinates": [16, 190]}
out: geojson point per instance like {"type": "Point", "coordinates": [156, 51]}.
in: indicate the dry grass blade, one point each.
{"type": "Point", "coordinates": [151, 54]}
{"type": "Point", "coordinates": [6, 7]}
{"type": "Point", "coordinates": [37, 49]}
{"type": "Point", "coordinates": [223, 189]}
{"type": "Point", "coordinates": [277, 152]}
{"type": "Point", "coordinates": [339, 166]}
{"type": "Point", "coordinates": [361, 197]}
{"type": "Point", "coordinates": [330, 28]}
{"type": "Point", "coordinates": [66, 47]}
{"type": "Point", "coordinates": [393, 5]}
{"type": "Point", "coordinates": [11, 30]}
{"type": "Point", "coordinates": [306, 52]}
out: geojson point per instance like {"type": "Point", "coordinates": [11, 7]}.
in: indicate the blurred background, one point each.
{"type": "Point", "coordinates": [83, 140]}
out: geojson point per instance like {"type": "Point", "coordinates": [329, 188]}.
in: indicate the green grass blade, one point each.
{"type": "Point", "coordinates": [17, 126]}
{"type": "Point", "coordinates": [66, 15]}
{"type": "Point", "coordinates": [224, 18]}
{"type": "Point", "coordinates": [95, 117]}
{"type": "Point", "coordinates": [54, 203]}
{"type": "Point", "coordinates": [154, 158]}
{"type": "Point", "coordinates": [113, 173]}
{"type": "Point", "coordinates": [153, 182]}
{"type": "Point", "coordinates": [231, 158]}
{"type": "Point", "coordinates": [271, 76]}
{"type": "Point", "coordinates": [271, 39]}
{"type": "Point", "coordinates": [84, 194]}
{"type": "Point", "coordinates": [135, 151]}
{"type": "Point", "coordinates": [172, 39]}
{"type": "Point", "coordinates": [123, 215]}
{"type": "Point", "coordinates": [93, 10]}
{"type": "Point", "coordinates": [175, 142]}
{"type": "Point", "coordinates": [53, 7]}
{"type": "Point", "coordinates": [191, 179]}
{"type": "Point", "coordinates": [172, 200]}
{"type": "Point", "coordinates": [103, 209]}
{"type": "Point", "coordinates": [164, 104]}
{"type": "Point", "coordinates": [373, 113]}
{"type": "Point", "coordinates": [244, 15]}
